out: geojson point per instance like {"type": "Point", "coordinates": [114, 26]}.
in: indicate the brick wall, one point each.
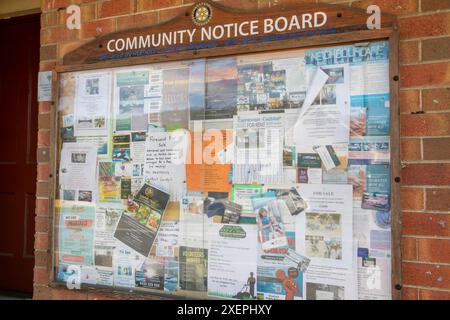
{"type": "Point", "coordinates": [425, 124]}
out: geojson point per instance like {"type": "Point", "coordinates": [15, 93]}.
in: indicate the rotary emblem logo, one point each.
{"type": "Point", "coordinates": [201, 14]}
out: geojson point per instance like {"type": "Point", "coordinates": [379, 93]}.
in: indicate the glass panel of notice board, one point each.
{"type": "Point", "coordinates": [259, 176]}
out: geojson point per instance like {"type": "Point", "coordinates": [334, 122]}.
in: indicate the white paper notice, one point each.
{"type": "Point", "coordinates": [232, 258]}
{"type": "Point", "coordinates": [369, 79]}
{"type": "Point", "coordinates": [125, 262]}
{"type": "Point", "coordinates": [45, 86]}
{"type": "Point", "coordinates": [326, 236]}
{"type": "Point", "coordinates": [259, 148]}
{"type": "Point", "coordinates": [325, 115]}
{"type": "Point", "coordinates": [164, 167]}
{"type": "Point", "coordinates": [194, 226]}
{"type": "Point", "coordinates": [77, 170]}
{"type": "Point", "coordinates": [374, 278]}
{"type": "Point", "coordinates": [92, 104]}
{"type": "Point", "coordinates": [167, 239]}
{"type": "Point", "coordinates": [317, 82]}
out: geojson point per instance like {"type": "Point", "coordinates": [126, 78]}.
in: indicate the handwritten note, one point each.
{"type": "Point", "coordinates": [165, 155]}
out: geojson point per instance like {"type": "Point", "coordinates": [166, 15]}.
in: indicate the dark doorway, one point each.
{"type": "Point", "coordinates": [19, 65]}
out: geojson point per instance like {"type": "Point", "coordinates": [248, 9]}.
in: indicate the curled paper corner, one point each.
{"type": "Point", "coordinates": [318, 81]}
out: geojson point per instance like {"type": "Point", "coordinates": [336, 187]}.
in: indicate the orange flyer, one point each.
{"type": "Point", "coordinates": [206, 170]}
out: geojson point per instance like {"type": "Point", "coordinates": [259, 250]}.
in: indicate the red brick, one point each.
{"type": "Point", "coordinates": [425, 26]}
{"type": "Point", "coordinates": [58, 34]}
{"type": "Point", "coordinates": [66, 47]}
{"type": "Point", "coordinates": [425, 74]}
{"type": "Point", "coordinates": [44, 138]}
{"type": "Point", "coordinates": [436, 149]}
{"type": "Point", "coordinates": [47, 65]}
{"type": "Point", "coordinates": [49, 19]}
{"type": "Point", "coordinates": [170, 14]}
{"type": "Point", "coordinates": [426, 174]}
{"type": "Point", "coordinates": [426, 275]}
{"type": "Point", "coordinates": [409, 52]}
{"type": "Point", "coordinates": [42, 259]}
{"type": "Point", "coordinates": [425, 294]}
{"type": "Point", "coordinates": [426, 224]}
{"type": "Point", "coordinates": [436, 49]}
{"type": "Point", "coordinates": [96, 28]}
{"type": "Point", "coordinates": [436, 99]}
{"type": "Point", "coordinates": [41, 275]}
{"type": "Point", "coordinates": [397, 7]}
{"type": "Point", "coordinates": [410, 293]}
{"type": "Point", "coordinates": [41, 241]}
{"type": "Point", "coordinates": [45, 106]}
{"type": "Point", "coordinates": [438, 199]}
{"type": "Point", "coordinates": [42, 189]}
{"type": "Point", "coordinates": [43, 155]}
{"type": "Point", "coordinates": [411, 149]}
{"type": "Point", "coordinates": [433, 124]}
{"type": "Point", "coordinates": [41, 224]}
{"type": "Point", "coordinates": [137, 20]}
{"type": "Point", "coordinates": [412, 198]}
{"type": "Point", "coordinates": [434, 250]}
{"type": "Point", "coordinates": [95, 296]}
{"type": "Point", "coordinates": [44, 121]}
{"type": "Point", "coordinates": [68, 295]}
{"type": "Point", "coordinates": [409, 249]}
{"type": "Point", "coordinates": [409, 101]}
{"type": "Point", "coordinates": [115, 8]}
{"type": "Point", "coordinates": [88, 12]}
{"type": "Point", "coordinates": [147, 5]}
{"type": "Point", "coordinates": [55, 4]}
{"type": "Point", "coordinates": [42, 207]}
{"type": "Point", "coordinates": [43, 171]}
{"type": "Point", "coordinates": [432, 5]}
{"type": "Point", "coordinates": [41, 292]}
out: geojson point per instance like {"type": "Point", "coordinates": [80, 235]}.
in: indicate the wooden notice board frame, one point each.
{"type": "Point", "coordinates": [344, 25]}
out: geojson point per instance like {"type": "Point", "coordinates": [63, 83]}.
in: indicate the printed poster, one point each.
{"type": "Point", "coordinates": [92, 104]}
{"type": "Point", "coordinates": [325, 235]}
{"type": "Point", "coordinates": [232, 259]}
{"type": "Point", "coordinates": [77, 172]}
{"type": "Point", "coordinates": [271, 231]}
{"type": "Point", "coordinates": [139, 224]}
{"type": "Point", "coordinates": [129, 107]}
{"type": "Point", "coordinates": [209, 164]}
{"type": "Point", "coordinates": [76, 234]}
{"type": "Point", "coordinates": [193, 268]}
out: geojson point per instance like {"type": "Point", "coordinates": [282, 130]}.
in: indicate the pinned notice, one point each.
{"type": "Point", "coordinates": [45, 86]}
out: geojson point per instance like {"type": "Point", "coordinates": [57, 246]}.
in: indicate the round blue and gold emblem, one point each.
{"type": "Point", "coordinates": [201, 14]}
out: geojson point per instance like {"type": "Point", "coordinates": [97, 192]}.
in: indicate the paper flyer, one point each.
{"type": "Point", "coordinates": [193, 268]}
{"type": "Point", "coordinates": [205, 170]}
{"type": "Point", "coordinates": [129, 106]}
{"type": "Point", "coordinates": [259, 148]}
{"type": "Point", "coordinates": [77, 172]}
{"type": "Point", "coordinates": [164, 166]}
{"type": "Point", "coordinates": [167, 239]}
{"type": "Point", "coordinates": [76, 234]}
{"type": "Point", "coordinates": [271, 232]}
{"type": "Point", "coordinates": [92, 104]}
{"type": "Point", "coordinates": [325, 116]}
{"type": "Point", "coordinates": [327, 229]}
{"type": "Point", "coordinates": [195, 225]}
{"type": "Point", "coordinates": [139, 224]}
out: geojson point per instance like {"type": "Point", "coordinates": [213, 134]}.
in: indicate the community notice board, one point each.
{"type": "Point", "coordinates": [258, 176]}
